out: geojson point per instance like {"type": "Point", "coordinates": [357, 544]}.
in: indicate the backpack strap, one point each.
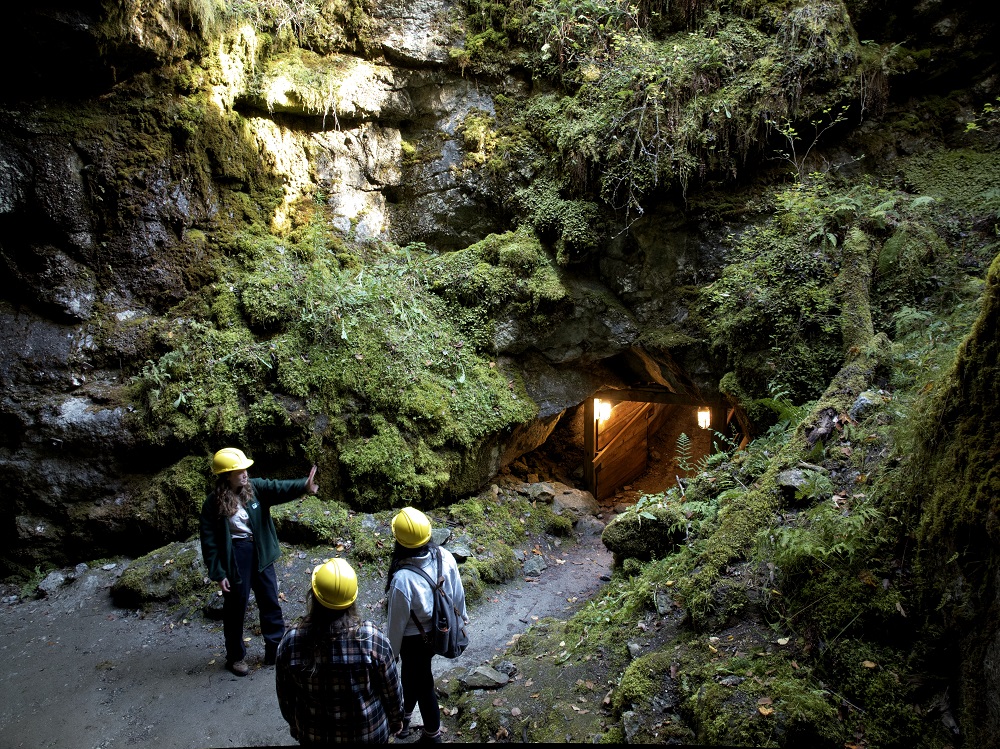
{"type": "Point", "coordinates": [419, 570]}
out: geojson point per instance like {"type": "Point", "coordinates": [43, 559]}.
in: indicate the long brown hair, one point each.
{"type": "Point", "coordinates": [321, 625]}
{"type": "Point", "coordinates": [229, 501]}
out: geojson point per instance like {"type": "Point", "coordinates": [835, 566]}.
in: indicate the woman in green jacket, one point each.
{"type": "Point", "coordinates": [239, 545]}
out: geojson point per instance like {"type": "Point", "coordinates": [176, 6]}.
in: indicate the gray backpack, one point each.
{"type": "Point", "coordinates": [448, 635]}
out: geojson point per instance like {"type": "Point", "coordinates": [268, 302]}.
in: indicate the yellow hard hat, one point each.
{"type": "Point", "coordinates": [335, 584]}
{"type": "Point", "coordinates": [411, 528]}
{"type": "Point", "coordinates": [230, 459]}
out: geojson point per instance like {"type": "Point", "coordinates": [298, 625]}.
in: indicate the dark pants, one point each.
{"type": "Point", "coordinates": [418, 681]}
{"type": "Point", "coordinates": [265, 587]}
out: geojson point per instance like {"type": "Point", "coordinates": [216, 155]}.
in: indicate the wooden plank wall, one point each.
{"type": "Point", "coordinates": [624, 450]}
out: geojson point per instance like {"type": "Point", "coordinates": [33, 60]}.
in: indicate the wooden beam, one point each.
{"type": "Point", "coordinates": [589, 445]}
{"type": "Point", "coordinates": [654, 395]}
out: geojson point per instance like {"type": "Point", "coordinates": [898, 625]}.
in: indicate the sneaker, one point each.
{"type": "Point", "coordinates": [240, 668]}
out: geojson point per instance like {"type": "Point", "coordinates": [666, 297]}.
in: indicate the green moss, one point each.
{"type": "Point", "coordinates": [496, 564]}
{"type": "Point", "coordinates": [172, 573]}
{"type": "Point", "coordinates": [963, 178]}
{"type": "Point", "coordinates": [171, 500]}
{"type": "Point", "coordinates": [311, 521]}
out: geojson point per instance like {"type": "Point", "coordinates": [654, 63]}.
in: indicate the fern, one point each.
{"type": "Point", "coordinates": [684, 456]}
{"type": "Point", "coordinates": [817, 486]}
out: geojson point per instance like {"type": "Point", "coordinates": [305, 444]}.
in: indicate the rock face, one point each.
{"type": "Point", "coordinates": [116, 194]}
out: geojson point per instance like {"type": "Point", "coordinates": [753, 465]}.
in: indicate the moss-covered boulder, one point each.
{"type": "Point", "coordinates": [645, 532]}
{"type": "Point", "coordinates": [167, 575]}
{"type": "Point", "coordinates": [311, 521]}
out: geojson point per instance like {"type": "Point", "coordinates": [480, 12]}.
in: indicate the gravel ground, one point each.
{"type": "Point", "coordinates": [80, 673]}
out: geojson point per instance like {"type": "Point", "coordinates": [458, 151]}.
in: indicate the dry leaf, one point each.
{"type": "Point", "coordinates": [498, 702]}
{"type": "Point", "coordinates": [515, 711]}
{"type": "Point", "coordinates": [765, 701]}
{"type": "Point", "coordinates": [528, 683]}
{"type": "Point", "coordinates": [783, 641]}
{"type": "Point", "coordinates": [765, 710]}
{"type": "Point", "coordinates": [869, 664]}
{"type": "Point", "coordinates": [534, 696]}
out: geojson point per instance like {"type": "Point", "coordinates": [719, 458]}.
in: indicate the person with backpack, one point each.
{"type": "Point", "coordinates": [411, 612]}
{"type": "Point", "coordinates": [336, 675]}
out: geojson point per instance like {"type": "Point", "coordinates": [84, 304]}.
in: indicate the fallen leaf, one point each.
{"type": "Point", "coordinates": [534, 696]}
{"type": "Point", "coordinates": [211, 662]}
{"type": "Point", "coordinates": [529, 683]}
{"type": "Point", "coordinates": [498, 702]}
{"type": "Point", "coordinates": [589, 685]}
{"type": "Point", "coordinates": [899, 608]}
{"type": "Point", "coordinates": [869, 664]}
{"type": "Point", "coordinates": [515, 711]}
{"type": "Point", "coordinates": [783, 641]}
{"type": "Point", "coordinates": [795, 665]}
{"type": "Point", "coordinates": [560, 561]}
{"type": "Point", "coordinates": [765, 701]}
{"type": "Point", "coordinates": [765, 710]}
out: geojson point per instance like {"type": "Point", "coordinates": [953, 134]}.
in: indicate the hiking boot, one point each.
{"type": "Point", "coordinates": [404, 732]}
{"type": "Point", "coordinates": [430, 738]}
{"type": "Point", "coordinates": [240, 668]}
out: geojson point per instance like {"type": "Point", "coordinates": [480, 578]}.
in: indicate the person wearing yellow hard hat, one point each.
{"type": "Point", "coordinates": [410, 605]}
{"type": "Point", "coordinates": [335, 675]}
{"type": "Point", "coordinates": [239, 546]}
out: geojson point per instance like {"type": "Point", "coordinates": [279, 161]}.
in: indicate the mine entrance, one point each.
{"type": "Point", "coordinates": [619, 427]}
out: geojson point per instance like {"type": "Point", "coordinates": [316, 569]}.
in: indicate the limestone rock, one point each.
{"type": "Point", "coordinates": [574, 503]}
{"type": "Point", "coordinates": [52, 582]}
{"type": "Point", "coordinates": [484, 677]}
{"type": "Point", "coordinates": [534, 566]}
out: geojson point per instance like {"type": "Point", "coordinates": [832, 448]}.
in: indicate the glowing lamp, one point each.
{"type": "Point", "coordinates": [602, 409]}
{"type": "Point", "coordinates": [705, 418]}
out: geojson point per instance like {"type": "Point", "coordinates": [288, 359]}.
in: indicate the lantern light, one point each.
{"type": "Point", "coordinates": [602, 409]}
{"type": "Point", "coordinates": [705, 418]}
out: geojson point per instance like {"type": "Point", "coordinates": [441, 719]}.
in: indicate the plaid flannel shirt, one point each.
{"type": "Point", "coordinates": [352, 696]}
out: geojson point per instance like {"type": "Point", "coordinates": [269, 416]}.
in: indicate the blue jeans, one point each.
{"type": "Point", "coordinates": [418, 681]}
{"type": "Point", "coordinates": [264, 585]}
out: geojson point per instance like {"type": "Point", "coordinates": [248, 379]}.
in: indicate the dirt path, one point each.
{"type": "Point", "coordinates": [81, 674]}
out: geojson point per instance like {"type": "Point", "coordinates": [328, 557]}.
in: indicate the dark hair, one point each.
{"type": "Point", "coordinates": [320, 625]}
{"type": "Point", "coordinates": [400, 554]}
{"type": "Point", "coordinates": [229, 501]}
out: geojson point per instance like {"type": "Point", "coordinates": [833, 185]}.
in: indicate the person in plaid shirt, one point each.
{"type": "Point", "coordinates": [335, 675]}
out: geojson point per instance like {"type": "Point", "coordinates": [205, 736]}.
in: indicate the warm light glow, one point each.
{"type": "Point", "coordinates": [705, 418]}
{"type": "Point", "coordinates": [602, 409]}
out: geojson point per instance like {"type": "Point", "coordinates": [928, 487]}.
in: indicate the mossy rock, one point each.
{"type": "Point", "coordinates": [650, 532]}
{"type": "Point", "coordinates": [165, 575]}
{"type": "Point", "coordinates": [310, 521]}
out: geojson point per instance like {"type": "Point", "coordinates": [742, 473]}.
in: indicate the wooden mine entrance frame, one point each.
{"type": "Point", "coordinates": [613, 458]}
